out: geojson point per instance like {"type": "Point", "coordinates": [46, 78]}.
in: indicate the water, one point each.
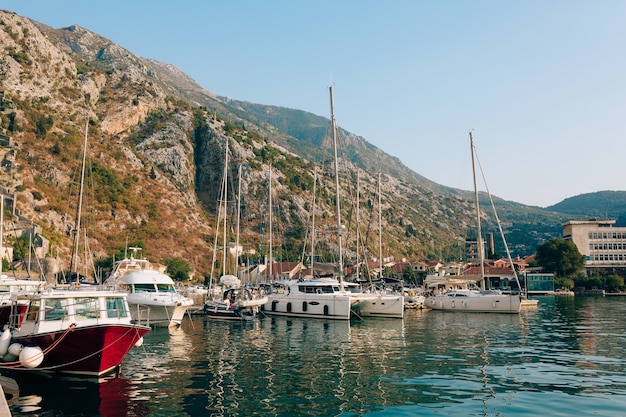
{"type": "Point", "coordinates": [565, 357]}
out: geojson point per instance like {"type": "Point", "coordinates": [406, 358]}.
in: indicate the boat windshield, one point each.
{"type": "Point", "coordinates": [166, 288]}
{"type": "Point", "coordinates": [144, 288]}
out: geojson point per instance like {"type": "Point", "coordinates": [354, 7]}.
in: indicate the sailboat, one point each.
{"type": "Point", "coordinates": [319, 297]}
{"type": "Point", "coordinates": [463, 296]}
{"type": "Point", "coordinates": [376, 303]}
{"type": "Point", "coordinates": [236, 302]}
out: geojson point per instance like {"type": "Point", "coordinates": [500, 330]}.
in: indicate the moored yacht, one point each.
{"type": "Point", "coordinates": [152, 296]}
{"type": "Point", "coordinates": [315, 298]}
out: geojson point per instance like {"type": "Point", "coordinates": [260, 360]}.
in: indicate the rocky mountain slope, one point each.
{"type": "Point", "coordinates": [157, 144]}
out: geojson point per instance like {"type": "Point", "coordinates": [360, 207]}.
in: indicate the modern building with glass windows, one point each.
{"type": "Point", "coordinates": [603, 245]}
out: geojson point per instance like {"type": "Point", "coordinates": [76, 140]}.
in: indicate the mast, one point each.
{"type": "Point", "coordinates": [334, 128]}
{"type": "Point", "coordinates": [225, 194]}
{"type": "Point", "coordinates": [479, 242]}
{"type": "Point", "coordinates": [238, 224]}
{"type": "Point", "coordinates": [313, 220]}
{"type": "Point", "coordinates": [79, 208]}
{"type": "Point", "coordinates": [358, 203]}
{"type": "Point", "coordinates": [380, 231]}
{"type": "Point", "coordinates": [270, 233]}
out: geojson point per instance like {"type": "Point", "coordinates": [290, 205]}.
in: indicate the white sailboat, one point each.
{"type": "Point", "coordinates": [232, 301]}
{"type": "Point", "coordinates": [325, 298]}
{"type": "Point", "coordinates": [375, 302]}
{"type": "Point", "coordinates": [464, 296]}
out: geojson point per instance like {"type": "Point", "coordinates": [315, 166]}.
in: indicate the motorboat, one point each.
{"type": "Point", "coordinates": [152, 296]}
{"type": "Point", "coordinates": [84, 331]}
{"type": "Point", "coordinates": [314, 298]}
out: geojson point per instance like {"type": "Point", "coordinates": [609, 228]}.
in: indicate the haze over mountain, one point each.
{"type": "Point", "coordinates": [157, 144]}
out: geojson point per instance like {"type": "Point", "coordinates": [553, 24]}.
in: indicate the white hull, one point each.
{"type": "Point", "coordinates": [325, 306]}
{"type": "Point", "coordinates": [378, 305]}
{"type": "Point", "coordinates": [157, 314]}
{"type": "Point", "coordinates": [475, 302]}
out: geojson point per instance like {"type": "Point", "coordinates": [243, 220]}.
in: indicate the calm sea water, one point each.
{"type": "Point", "coordinates": [565, 357]}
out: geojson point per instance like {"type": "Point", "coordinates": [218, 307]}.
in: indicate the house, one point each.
{"type": "Point", "coordinates": [282, 270]}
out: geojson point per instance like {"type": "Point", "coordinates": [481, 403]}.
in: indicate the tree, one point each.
{"type": "Point", "coordinates": [614, 283]}
{"type": "Point", "coordinates": [177, 268]}
{"type": "Point", "coordinates": [560, 256]}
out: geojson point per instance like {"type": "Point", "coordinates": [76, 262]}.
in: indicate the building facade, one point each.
{"type": "Point", "coordinates": [603, 245]}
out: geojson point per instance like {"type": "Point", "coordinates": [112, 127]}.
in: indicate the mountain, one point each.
{"type": "Point", "coordinates": [157, 144]}
{"type": "Point", "coordinates": [601, 205]}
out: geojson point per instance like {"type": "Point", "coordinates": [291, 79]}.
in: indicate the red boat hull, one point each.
{"type": "Point", "coordinates": [92, 350]}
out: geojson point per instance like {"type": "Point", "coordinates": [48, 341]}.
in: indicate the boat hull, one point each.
{"type": "Point", "coordinates": [374, 305]}
{"type": "Point", "coordinates": [106, 346]}
{"type": "Point", "coordinates": [477, 303]}
{"type": "Point", "coordinates": [158, 315]}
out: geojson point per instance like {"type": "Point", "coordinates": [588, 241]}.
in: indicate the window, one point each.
{"type": "Point", "coordinates": [116, 308]}
{"type": "Point", "coordinates": [87, 308]}
{"type": "Point", "coordinates": [56, 309]}
{"type": "Point", "coordinates": [144, 288]}
{"type": "Point", "coordinates": [33, 310]}
{"type": "Point", "coordinates": [166, 288]}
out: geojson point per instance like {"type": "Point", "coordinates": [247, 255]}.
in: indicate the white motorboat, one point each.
{"type": "Point", "coordinates": [314, 298]}
{"type": "Point", "coordinates": [152, 296]}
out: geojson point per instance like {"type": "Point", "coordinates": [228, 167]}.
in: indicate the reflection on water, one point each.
{"type": "Point", "coordinates": [42, 395]}
{"type": "Point", "coordinates": [566, 357]}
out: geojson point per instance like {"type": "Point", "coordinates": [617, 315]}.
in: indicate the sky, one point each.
{"type": "Point", "coordinates": [540, 83]}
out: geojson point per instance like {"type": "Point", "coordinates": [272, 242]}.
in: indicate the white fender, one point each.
{"type": "Point", "coordinates": [15, 349]}
{"type": "Point", "coordinates": [5, 341]}
{"type": "Point", "coordinates": [31, 356]}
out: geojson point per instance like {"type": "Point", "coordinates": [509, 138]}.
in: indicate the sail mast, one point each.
{"type": "Point", "coordinates": [225, 194]}
{"type": "Point", "coordinates": [79, 208]}
{"type": "Point", "coordinates": [334, 128]}
{"type": "Point", "coordinates": [238, 224]}
{"type": "Point", "coordinates": [269, 176]}
{"type": "Point", "coordinates": [313, 221]}
{"type": "Point", "coordinates": [358, 238]}
{"type": "Point", "coordinates": [479, 242]}
{"type": "Point", "coordinates": [380, 232]}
